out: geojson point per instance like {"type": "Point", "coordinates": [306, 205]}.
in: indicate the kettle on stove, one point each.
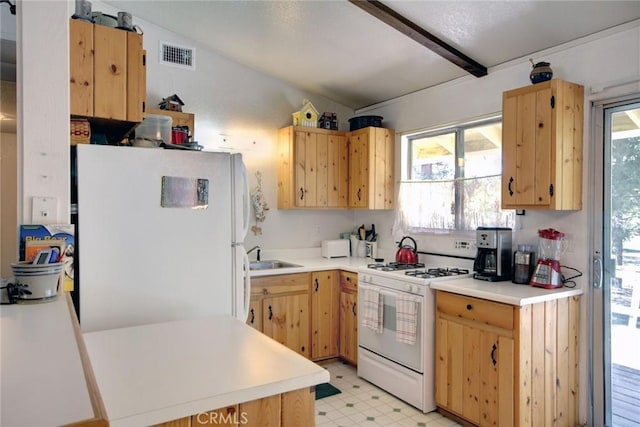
{"type": "Point", "coordinates": [407, 254]}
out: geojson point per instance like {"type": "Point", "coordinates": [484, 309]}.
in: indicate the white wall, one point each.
{"type": "Point", "coordinates": [43, 106]}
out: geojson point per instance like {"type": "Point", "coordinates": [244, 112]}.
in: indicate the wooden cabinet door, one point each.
{"type": "Point", "coordinates": [110, 73]}
{"type": "Point", "coordinates": [321, 169]}
{"type": "Point", "coordinates": [255, 314]}
{"type": "Point", "coordinates": [325, 296]}
{"type": "Point", "coordinates": [359, 169]}
{"type": "Point", "coordinates": [496, 379]}
{"type": "Point", "coordinates": [81, 68]}
{"type": "Point", "coordinates": [286, 319]}
{"type": "Point", "coordinates": [475, 373]}
{"type": "Point", "coordinates": [349, 327]}
{"type": "Point", "coordinates": [371, 168]}
{"type": "Point", "coordinates": [542, 146]}
{"type": "Point", "coordinates": [305, 175]}
{"type": "Point", "coordinates": [136, 91]}
{"type": "Point", "coordinates": [526, 138]}
{"type": "Point", "coordinates": [337, 171]}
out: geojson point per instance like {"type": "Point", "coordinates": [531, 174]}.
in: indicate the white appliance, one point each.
{"type": "Point", "coordinates": [405, 370]}
{"type": "Point", "coordinates": [160, 235]}
{"type": "Point", "coordinates": [335, 248]}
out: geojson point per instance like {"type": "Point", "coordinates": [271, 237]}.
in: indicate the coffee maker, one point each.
{"type": "Point", "coordinates": [493, 259]}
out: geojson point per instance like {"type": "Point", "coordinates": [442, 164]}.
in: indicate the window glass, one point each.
{"type": "Point", "coordinates": [453, 179]}
{"type": "Point", "coordinates": [433, 158]}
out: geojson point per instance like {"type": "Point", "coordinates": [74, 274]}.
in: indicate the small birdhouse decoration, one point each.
{"type": "Point", "coordinates": [171, 103]}
{"type": "Point", "coordinates": [307, 116]}
{"type": "Point", "coordinates": [329, 121]}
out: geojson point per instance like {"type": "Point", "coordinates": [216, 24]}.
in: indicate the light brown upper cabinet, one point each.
{"type": "Point", "coordinates": [107, 72]}
{"type": "Point", "coordinates": [371, 168]}
{"type": "Point", "coordinates": [319, 168]}
{"type": "Point", "coordinates": [542, 146]}
{"type": "Point", "coordinates": [312, 168]}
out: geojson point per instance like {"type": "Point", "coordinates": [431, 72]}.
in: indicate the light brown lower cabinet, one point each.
{"type": "Point", "coordinates": [292, 409]}
{"type": "Point", "coordinates": [349, 317]}
{"type": "Point", "coordinates": [503, 365]}
{"type": "Point", "coordinates": [280, 307]}
{"type": "Point", "coordinates": [325, 298]}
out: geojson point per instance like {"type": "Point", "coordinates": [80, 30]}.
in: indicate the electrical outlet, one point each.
{"type": "Point", "coordinates": [44, 210]}
{"type": "Point", "coordinates": [463, 244]}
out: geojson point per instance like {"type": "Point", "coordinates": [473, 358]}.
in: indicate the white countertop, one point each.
{"type": "Point", "coordinates": [506, 292]}
{"type": "Point", "coordinates": [41, 374]}
{"type": "Point", "coordinates": [160, 372]}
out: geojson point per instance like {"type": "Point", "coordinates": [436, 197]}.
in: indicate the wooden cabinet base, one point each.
{"type": "Point", "coordinates": [292, 409]}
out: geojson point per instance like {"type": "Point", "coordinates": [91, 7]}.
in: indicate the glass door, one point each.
{"type": "Point", "coordinates": [615, 349]}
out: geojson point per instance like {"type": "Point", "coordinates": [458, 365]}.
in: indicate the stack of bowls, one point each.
{"type": "Point", "coordinates": [36, 282]}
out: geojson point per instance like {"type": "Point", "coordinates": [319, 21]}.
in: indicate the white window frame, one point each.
{"type": "Point", "coordinates": [406, 166]}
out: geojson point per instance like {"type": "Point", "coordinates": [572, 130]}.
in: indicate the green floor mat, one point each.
{"type": "Point", "coordinates": [325, 390]}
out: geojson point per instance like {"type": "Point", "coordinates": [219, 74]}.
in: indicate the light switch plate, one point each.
{"type": "Point", "coordinates": [44, 210]}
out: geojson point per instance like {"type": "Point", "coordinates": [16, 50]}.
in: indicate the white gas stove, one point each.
{"type": "Point", "coordinates": [384, 357]}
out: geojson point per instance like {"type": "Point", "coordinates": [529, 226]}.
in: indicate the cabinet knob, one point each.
{"type": "Point", "coordinates": [469, 306]}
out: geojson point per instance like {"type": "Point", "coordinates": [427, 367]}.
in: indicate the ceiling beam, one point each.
{"type": "Point", "coordinates": [420, 35]}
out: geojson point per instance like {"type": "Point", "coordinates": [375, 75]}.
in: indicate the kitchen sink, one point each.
{"type": "Point", "coordinates": [271, 265]}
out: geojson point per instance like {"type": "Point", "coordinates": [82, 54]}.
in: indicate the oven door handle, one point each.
{"type": "Point", "coordinates": [391, 293]}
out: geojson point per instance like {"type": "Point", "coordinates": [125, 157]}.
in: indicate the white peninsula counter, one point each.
{"type": "Point", "coordinates": [160, 372]}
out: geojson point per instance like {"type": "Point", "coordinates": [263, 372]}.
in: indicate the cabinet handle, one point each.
{"type": "Point", "coordinates": [253, 316]}
{"type": "Point", "coordinates": [270, 313]}
{"type": "Point", "coordinates": [301, 193]}
{"type": "Point", "coordinates": [509, 186]}
{"type": "Point", "coordinates": [316, 285]}
{"type": "Point", "coordinates": [359, 191]}
{"type": "Point", "coordinates": [469, 306]}
{"type": "Point", "coordinates": [353, 308]}
{"type": "Point", "coordinates": [493, 354]}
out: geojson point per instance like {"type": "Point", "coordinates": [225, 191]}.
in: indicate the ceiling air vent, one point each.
{"type": "Point", "coordinates": [179, 56]}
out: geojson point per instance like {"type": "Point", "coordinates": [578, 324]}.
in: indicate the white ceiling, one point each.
{"type": "Point", "coordinates": [335, 49]}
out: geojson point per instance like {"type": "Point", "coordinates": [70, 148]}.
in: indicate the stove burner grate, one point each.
{"type": "Point", "coordinates": [394, 266]}
{"type": "Point", "coordinates": [431, 273]}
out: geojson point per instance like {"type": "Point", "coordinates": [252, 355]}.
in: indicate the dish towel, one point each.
{"type": "Point", "coordinates": [371, 306]}
{"type": "Point", "coordinates": [406, 319]}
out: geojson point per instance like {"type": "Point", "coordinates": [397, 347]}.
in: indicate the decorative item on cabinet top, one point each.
{"type": "Point", "coordinates": [307, 116]}
{"type": "Point", "coordinates": [541, 72]}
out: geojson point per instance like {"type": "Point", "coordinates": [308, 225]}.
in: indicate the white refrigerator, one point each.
{"type": "Point", "coordinates": [160, 235]}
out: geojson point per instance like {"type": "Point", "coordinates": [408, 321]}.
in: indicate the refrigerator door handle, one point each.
{"type": "Point", "coordinates": [246, 211]}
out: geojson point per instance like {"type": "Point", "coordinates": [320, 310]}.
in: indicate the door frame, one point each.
{"type": "Point", "coordinates": [599, 362]}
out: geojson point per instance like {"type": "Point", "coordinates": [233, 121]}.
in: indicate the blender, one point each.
{"type": "Point", "coordinates": [551, 246]}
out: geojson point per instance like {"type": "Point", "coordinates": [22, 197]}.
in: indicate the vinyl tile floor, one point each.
{"type": "Point", "coordinates": [363, 404]}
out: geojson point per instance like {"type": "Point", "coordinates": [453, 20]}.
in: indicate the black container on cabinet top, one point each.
{"type": "Point", "coordinates": [360, 122]}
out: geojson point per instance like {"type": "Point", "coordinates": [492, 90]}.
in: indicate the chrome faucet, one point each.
{"type": "Point", "coordinates": [257, 254]}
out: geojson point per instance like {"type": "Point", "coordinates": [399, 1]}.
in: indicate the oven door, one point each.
{"type": "Point", "coordinates": [386, 344]}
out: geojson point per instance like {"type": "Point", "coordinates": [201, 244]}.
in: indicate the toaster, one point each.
{"type": "Point", "coordinates": [335, 248]}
